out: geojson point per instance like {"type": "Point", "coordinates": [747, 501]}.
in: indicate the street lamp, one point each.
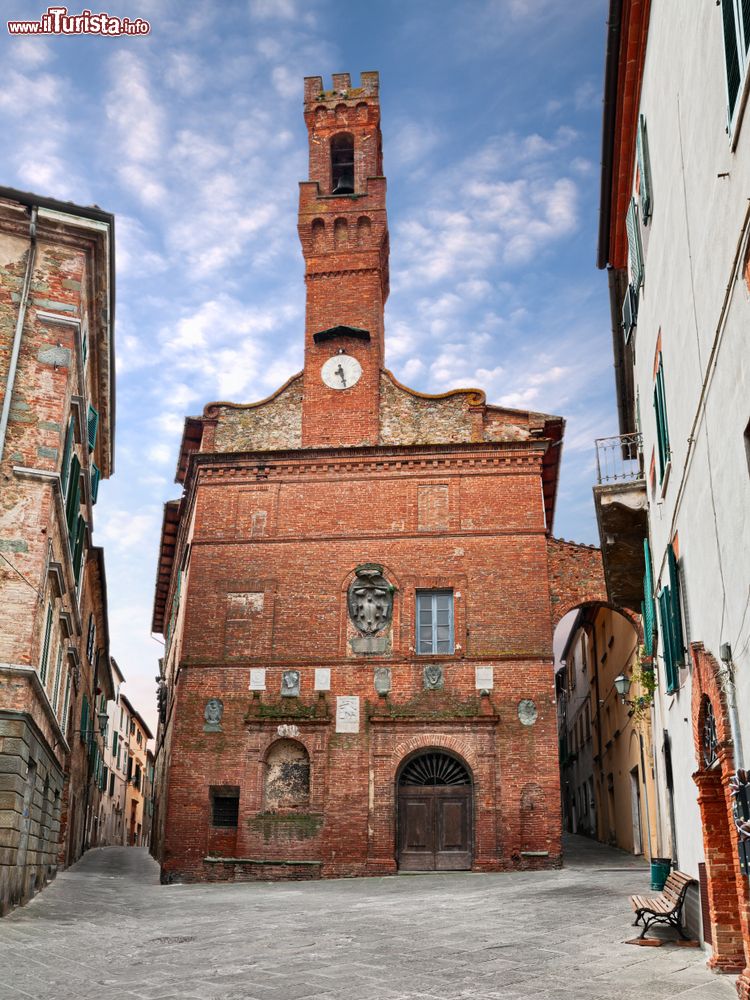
{"type": "Point", "coordinates": [622, 686]}
{"type": "Point", "coordinates": [103, 720]}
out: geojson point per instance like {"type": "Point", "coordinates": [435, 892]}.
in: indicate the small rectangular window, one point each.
{"type": "Point", "coordinates": [434, 621]}
{"type": "Point", "coordinates": [112, 783]}
{"type": "Point", "coordinates": [225, 807]}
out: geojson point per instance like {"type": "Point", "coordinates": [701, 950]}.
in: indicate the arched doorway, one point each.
{"type": "Point", "coordinates": [434, 813]}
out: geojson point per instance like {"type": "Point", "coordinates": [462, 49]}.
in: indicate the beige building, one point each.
{"type": "Point", "coordinates": [605, 736]}
{"type": "Point", "coordinates": [136, 818]}
{"type": "Point", "coordinates": [112, 805]}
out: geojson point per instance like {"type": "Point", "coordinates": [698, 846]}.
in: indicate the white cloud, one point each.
{"type": "Point", "coordinates": [31, 52]}
{"type": "Point", "coordinates": [132, 108]}
{"type": "Point", "coordinates": [184, 73]}
{"type": "Point", "coordinates": [412, 143]}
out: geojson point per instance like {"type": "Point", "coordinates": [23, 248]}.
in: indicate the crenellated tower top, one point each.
{"type": "Point", "coordinates": [343, 229]}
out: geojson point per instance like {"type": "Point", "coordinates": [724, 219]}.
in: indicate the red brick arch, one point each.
{"type": "Point", "coordinates": [576, 576]}
{"type": "Point", "coordinates": [427, 741]}
{"type": "Point", "coordinates": [728, 897]}
{"type": "Point", "coordinates": [634, 619]}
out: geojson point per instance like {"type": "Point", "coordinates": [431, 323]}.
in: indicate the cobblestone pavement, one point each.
{"type": "Point", "coordinates": [106, 929]}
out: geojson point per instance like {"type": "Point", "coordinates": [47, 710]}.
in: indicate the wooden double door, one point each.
{"type": "Point", "coordinates": [434, 819]}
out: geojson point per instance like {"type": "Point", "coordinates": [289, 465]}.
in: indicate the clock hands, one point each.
{"type": "Point", "coordinates": [341, 374]}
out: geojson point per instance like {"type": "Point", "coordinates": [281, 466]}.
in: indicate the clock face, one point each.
{"type": "Point", "coordinates": [342, 371]}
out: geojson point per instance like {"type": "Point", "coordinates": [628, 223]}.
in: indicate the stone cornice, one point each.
{"type": "Point", "coordinates": [504, 457]}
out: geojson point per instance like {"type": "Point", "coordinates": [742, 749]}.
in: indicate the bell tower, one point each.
{"type": "Point", "coordinates": [344, 234]}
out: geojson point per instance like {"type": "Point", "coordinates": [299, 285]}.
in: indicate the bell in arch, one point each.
{"type": "Point", "coordinates": [345, 183]}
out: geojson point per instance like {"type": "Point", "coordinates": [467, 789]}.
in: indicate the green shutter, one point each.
{"type": "Point", "coordinates": [58, 672]}
{"type": "Point", "coordinates": [647, 608]}
{"type": "Point", "coordinates": [114, 742]}
{"type": "Point", "coordinates": [675, 615]}
{"type": "Point", "coordinates": [662, 430]}
{"type": "Point", "coordinates": [78, 548]}
{"type": "Point", "coordinates": [66, 703]}
{"type": "Point", "coordinates": [635, 250]}
{"type": "Point", "coordinates": [65, 466]}
{"type": "Point", "coordinates": [731, 54]}
{"type": "Point", "coordinates": [665, 635]}
{"type": "Point", "coordinates": [745, 4]}
{"type": "Point", "coordinates": [95, 479]}
{"type": "Point", "coordinates": [74, 497]}
{"type": "Point", "coordinates": [644, 170]}
{"type": "Point", "coordinates": [84, 719]}
{"type": "Point", "coordinates": [44, 661]}
{"type": "Point", "coordinates": [93, 424]}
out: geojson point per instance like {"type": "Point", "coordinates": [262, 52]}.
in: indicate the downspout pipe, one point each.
{"type": "Point", "coordinates": [17, 336]}
{"type": "Point", "coordinates": [726, 679]}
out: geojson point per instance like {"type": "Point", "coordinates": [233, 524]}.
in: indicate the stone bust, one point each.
{"type": "Point", "coordinates": [212, 714]}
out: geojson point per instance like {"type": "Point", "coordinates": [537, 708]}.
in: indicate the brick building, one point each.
{"type": "Point", "coordinates": [357, 590]}
{"type": "Point", "coordinates": [56, 439]}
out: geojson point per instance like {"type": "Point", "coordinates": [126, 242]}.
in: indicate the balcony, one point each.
{"type": "Point", "coordinates": [622, 516]}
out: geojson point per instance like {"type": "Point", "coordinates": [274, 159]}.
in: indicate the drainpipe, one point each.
{"type": "Point", "coordinates": [726, 680]}
{"type": "Point", "coordinates": [645, 797]}
{"type": "Point", "coordinates": [603, 804]}
{"type": "Point", "coordinates": [13, 367]}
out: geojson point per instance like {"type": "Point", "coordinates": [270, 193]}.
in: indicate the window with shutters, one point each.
{"type": "Point", "coordinates": [115, 737]}
{"type": "Point", "coordinates": [736, 25]}
{"type": "Point", "coordinates": [95, 480]}
{"type": "Point", "coordinates": [84, 719]}
{"type": "Point", "coordinates": [58, 676]}
{"type": "Point", "coordinates": [648, 613]}
{"type": "Point", "coordinates": [434, 621]}
{"type": "Point", "coordinates": [66, 705]}
{"type": "Point", "coordinates": [73, 498]}
{"type": "Point", "coordinates": [662, 428]}
{"type": "Point", "coordinates": [78, 548]}
{"type": "Point", "coordinates": [46, 642]}
{"type": "Point", "coordinates": [67, 455]}
{"type": "Point", "coordinates": [112, 783]}
{"type": "Point", "coordinates": [635, 246]}
{"type": "Point", "coordinates": [91, 638]}
{"type": "Point", "coordinates": [92, 424]}
{"type": "Point", "coordinates": [644, 170]}
{"type": "Point", "coordinates": [671, 639]}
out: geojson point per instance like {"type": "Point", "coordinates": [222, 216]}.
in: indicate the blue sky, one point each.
{"type": "Point", "coordinates": [194, 138]}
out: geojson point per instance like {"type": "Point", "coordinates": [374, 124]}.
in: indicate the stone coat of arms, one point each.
{"type": "Point", "coordinates": [370, 600]}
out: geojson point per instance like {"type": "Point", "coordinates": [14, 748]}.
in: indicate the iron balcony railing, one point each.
{"type": "Point", "coordinates": [619, 459]}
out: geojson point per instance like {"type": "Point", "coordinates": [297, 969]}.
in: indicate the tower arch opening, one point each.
{"type": "Point", "coordinates": [342, 163]}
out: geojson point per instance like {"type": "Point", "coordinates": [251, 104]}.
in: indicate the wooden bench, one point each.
{"type": "Point", "coordinates": [666, 908]}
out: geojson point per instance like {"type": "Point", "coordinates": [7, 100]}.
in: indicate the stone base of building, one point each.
{"type": "Point", "coordinates": [237, 869]}
{"type": "Point", "coordinates": [31, 783]}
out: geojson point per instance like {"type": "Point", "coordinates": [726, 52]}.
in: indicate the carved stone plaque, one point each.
{"type": "Point", "coordinates": [257, 679]}
{"type": "Point", "coordinates": [287, 732]}
{"type": "Point", "coordinates": [290, 680]}
{"type": "Point", "coordinates": [484, 678]}
{"type": "Point", "coordinates": [433, 677]}
{"type": "Point", "coordinates": [527, 712]}
{"type": "Point", "coordinates": [212, 714]}
{"type": "Point", "coordinates": [322, 678]}
{"type": "Point", "coordinates": [382, 680]}
{"type": "Point", "coordinates": [347, 714]}
{"type": "Point", "coordinates": [370, 599]}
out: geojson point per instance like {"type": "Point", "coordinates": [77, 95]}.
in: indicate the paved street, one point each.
{"type": "Point", "coordinates": [106, 929]}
